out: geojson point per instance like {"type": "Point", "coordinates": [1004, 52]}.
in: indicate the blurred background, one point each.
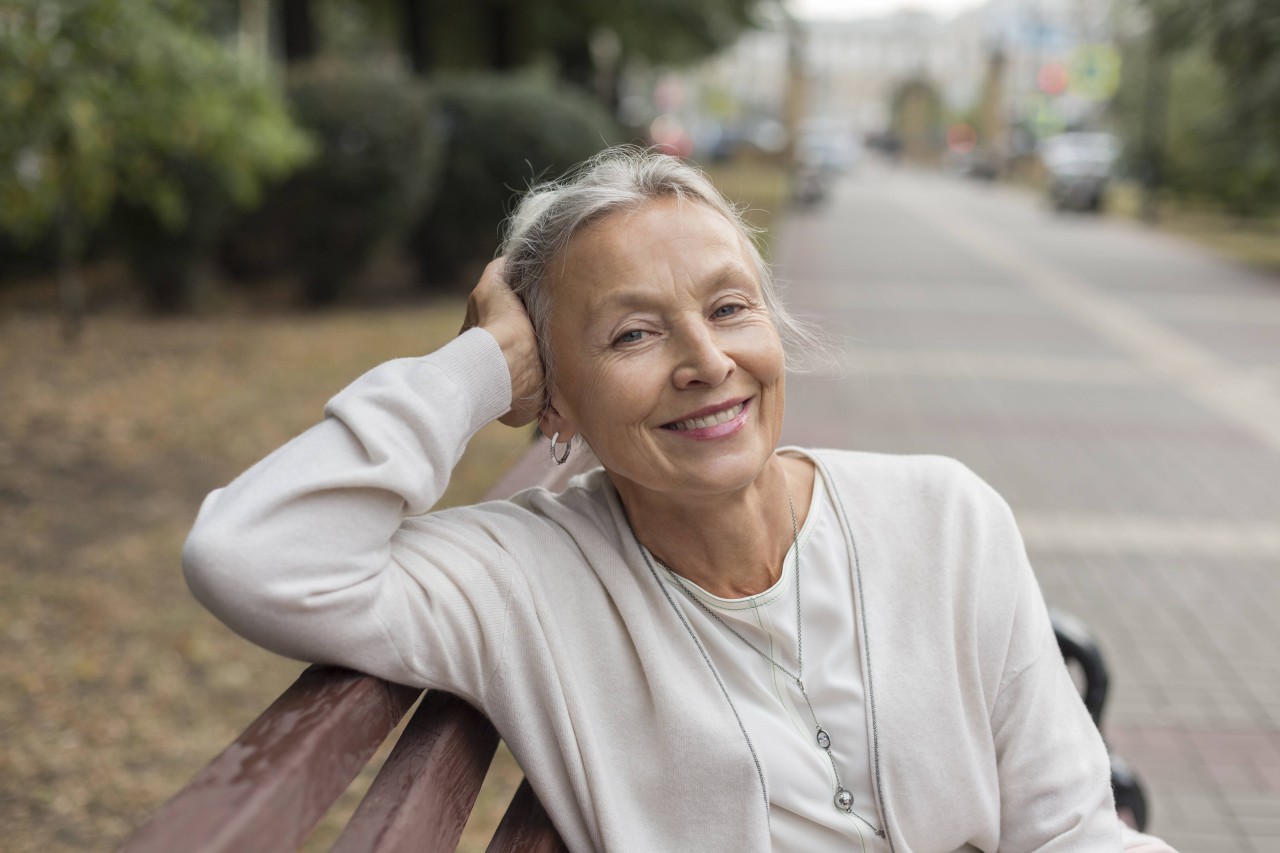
{"type": "Point", "coordinates": [1048, 229]}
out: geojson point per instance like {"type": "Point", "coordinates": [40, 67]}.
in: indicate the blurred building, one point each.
{"type": "Point", "coordinates": [1055, 60]}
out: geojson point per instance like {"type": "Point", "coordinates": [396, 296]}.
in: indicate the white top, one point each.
{"type": "Point", "coordinates": [801, 784]}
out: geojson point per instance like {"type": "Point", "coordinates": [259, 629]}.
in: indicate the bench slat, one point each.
{"type": "Point", "coordinates": [422, 797]}
{"type": "Point", "coordinates": [268, 789]}
{"type": "Point", "coordinates": [526, 827]}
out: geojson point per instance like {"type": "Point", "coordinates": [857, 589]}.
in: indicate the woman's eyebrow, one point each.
{"type": "Point", "coordinates": [730, 270]}
{"type": "Point", "coordinates": [628, 298]}
{"type": "Point", "coordinates": [625, 299]}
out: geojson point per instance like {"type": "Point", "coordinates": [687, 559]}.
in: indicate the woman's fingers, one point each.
{"type": "Point", "coordinates": [495, 308]}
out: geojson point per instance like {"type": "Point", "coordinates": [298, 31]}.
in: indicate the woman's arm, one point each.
{"type": "Point", "coordinates": [305, 554]}
{"type": "Point", "coordinates": [1055, 784]}
{"type": "Point", "coordinates": [1055, 776]}
{"type": "Point", "coordinates": [1053, 772]}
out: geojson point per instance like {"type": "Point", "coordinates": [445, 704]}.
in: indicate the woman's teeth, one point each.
{"type": "Point", "coordinates": [710, 420]}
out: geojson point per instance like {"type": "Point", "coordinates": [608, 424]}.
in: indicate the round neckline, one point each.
{"type": "Point", "coordinates": [779, 587]}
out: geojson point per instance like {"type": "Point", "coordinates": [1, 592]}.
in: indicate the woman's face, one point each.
{"type": "Point", "coordinates": [666, 358]}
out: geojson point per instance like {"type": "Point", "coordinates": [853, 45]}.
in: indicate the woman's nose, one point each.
{"type": "Point", "coordinates": [702, 359]}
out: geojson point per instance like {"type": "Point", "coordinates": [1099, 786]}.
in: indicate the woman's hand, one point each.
{"type": "Point", "coordinates": [495, 308]}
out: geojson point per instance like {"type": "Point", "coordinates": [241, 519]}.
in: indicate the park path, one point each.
{"type": "Point", "coordinates": [1121, 389]}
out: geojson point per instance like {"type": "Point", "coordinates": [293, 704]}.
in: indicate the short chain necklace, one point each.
{"type": "Point", "coordinates": [843, 798]}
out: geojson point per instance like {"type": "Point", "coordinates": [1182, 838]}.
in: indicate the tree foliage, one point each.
{"type": "Point", "coordinates": [503, 34]}
{"type": "Point", "coordinates": [103, 101]}
{"type": "Point", "coordinates": [381, 141]}
{"type": "Point", "coordinates": [661, 31]}
{"type": "Point", "coordinates": [1245, 38]}
{"type": "Point", "coordinates": [1214, 69]}
{"type": "Point", "coordinates": [504, 133]}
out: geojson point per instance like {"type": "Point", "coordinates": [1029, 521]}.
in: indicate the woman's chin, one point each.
{"type": "Point", "coordinates": [710, 471]}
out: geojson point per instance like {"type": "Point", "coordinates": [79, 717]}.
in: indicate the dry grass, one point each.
{"type": "Point", "coordinates": [763, 188]}
{"type": "Point", "coordinates": [115, 686]}
{"type": "Point", "coordinates": [1253, 242]}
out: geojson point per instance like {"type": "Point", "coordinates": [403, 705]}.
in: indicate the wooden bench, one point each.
{"type": "Point", "coordinates": [269, 789]}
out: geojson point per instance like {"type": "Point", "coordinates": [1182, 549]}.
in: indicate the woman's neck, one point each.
{"type": "Point", "coordinates": [731, 545]}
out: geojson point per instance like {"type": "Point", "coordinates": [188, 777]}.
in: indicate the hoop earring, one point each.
{"type": "Point", "coordinates": [568, 447]}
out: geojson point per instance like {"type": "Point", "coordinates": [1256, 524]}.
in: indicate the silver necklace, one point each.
{"type": "Point", "coordinates": [843, 798]}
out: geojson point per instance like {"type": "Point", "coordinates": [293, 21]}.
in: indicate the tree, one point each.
{"type": "Point", "coordinates": [1201, 114]}
{"type": "Point", "coordinates": [1245, 38]}
{"type": "Point", "coordinates": [1173, 26]}
{"type": "Point", "coordinates": [299, 30]}
{"type": "Point", "coordinates": [507, 35]}
{"type": "Point", "coordinates": [661, 31]}
{"type": "Point", "coordinates": [916, 109]}
{"type": "Point", "coordinates": [504, 34]}
{"type": "Point", "coordinates": [104, 102]}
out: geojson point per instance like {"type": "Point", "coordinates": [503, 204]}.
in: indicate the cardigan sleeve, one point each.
{"type": "Point", "coordinates": [1054, 774]}
{"type": "Point", "coordinates": [1055, 786]}
{"type": "Point", "coordinates": [307, 554]}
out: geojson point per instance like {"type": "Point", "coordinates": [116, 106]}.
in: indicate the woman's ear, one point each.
{"type": "Point", "coordinates": [551, 422]}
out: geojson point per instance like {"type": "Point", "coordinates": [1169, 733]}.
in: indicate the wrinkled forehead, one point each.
{"type": "Point", "coordinates": [660, 241]}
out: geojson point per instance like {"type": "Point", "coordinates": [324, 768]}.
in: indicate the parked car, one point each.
{"type": "Point", "coordinates": [1079, 167]}
{"type": "Point", "coordinates": [824, 151]}
{"type": "Point", "coordinates": [831, 153]}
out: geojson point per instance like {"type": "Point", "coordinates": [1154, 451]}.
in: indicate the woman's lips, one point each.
{"type": "Point", "coordinates": [724, 422]}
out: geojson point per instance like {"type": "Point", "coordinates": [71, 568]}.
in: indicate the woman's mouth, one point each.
{"type": "Point", "coordinates": [712, 425]}
{"type": "Point", "coordinates": [710, 420]}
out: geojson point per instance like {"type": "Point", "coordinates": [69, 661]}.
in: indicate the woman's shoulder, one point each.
{"type": "Point", "coordinates": [914, 477]}
{"type": "Point", "coordinates": [866, 461]}
{"type": "Point", "coordinates": [587, 492]}
{"type": "Point", "coordinates": [922, 505]}
{"type": "Point", "coordinates": [924, 521]}
{"type": "Point", "coordinates": [535, 516]}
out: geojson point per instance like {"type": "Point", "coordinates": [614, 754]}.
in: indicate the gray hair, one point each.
{"type": "Point", "coordinates": [622, 179]}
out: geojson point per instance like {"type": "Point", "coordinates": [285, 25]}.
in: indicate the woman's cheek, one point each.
{"type": "Point", "coordinates": [609, 389]}
{"type": "Point", "coordinates": [761, 351]}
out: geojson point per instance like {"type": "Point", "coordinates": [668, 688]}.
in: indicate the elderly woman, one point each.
{"type": "Point", "coordinates": [706, 643]}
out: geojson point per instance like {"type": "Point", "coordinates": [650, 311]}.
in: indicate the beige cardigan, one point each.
{"type": "Point", "coordinates": [541, 612]}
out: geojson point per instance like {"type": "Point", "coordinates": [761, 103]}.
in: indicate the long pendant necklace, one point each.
{"type": "Point", "coordinates": [843, 798]}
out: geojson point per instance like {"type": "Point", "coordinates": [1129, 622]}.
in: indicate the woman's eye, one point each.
{"type": "Point", "coordinates": [726, 311]}
{"type": "Point", "coordinates": [630, 337]}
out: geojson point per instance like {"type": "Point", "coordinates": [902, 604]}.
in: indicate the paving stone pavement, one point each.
{"type": "Point", "coordinates": [1121, 389]}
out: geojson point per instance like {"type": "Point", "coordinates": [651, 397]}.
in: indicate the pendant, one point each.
{"type": "Point", "coordinates": [843, 800]}
{"type": "Point", "coordinates": [824, 739]}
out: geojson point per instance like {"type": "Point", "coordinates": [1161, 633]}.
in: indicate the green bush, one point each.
{"type": "Point", "coordinates": [172, 263]}
{"type": "Point", "coordinates": [503, 134]}
{"type": "Point", "coordinates": [380, 154]}
{"type": "Point", "coordinates": [35, 256]}
{"type": "Point", "coordinates": [111, 103]}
